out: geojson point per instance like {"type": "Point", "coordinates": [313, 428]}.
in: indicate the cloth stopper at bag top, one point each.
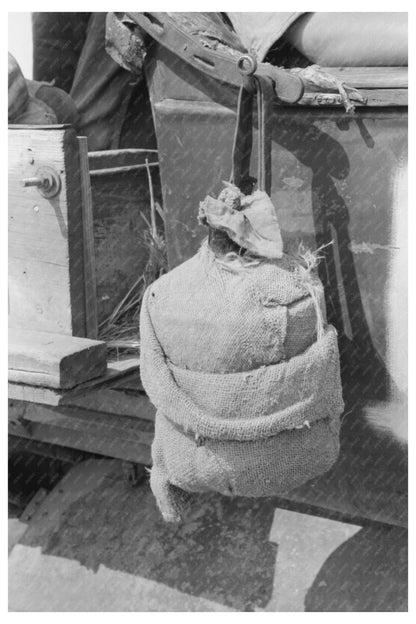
{"type": "Point", "coordinates": [240, 364]}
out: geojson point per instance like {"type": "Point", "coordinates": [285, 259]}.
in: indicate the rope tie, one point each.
{"type": "Point", "coordinates": [311, 259]}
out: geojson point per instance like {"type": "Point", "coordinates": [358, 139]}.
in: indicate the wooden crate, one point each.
{"type": "Point", "coordinates": [51, 286]}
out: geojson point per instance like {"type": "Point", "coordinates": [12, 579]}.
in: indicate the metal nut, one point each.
{"type": "Point", "coordinates": [47, 181]}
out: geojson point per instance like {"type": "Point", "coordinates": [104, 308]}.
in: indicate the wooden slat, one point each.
{"type": "Point", "coordinates": [18, 444]}
{"type": "Point", "coordinates": [50, 396]}
{"type": "Point", "coordinates": [369, 480]}
{"type": "Point", "coordinates": [372, 77]}
{"type": "Point", "coordinates": [46, 246]}
{"type": "Point", "coordinates": [54, 360]}
{"type": "Point", "coordinates": [81, 420]}
{"type": "Point", "coordinates": [118, 158]}
{"type": "Point", "coordinates": [35, 394]}
{"type": "Point", "coordinates": [121, 438]}
{"type": "Point", "coordinates": [89, 252]}
{"type": "Point", "coordinates": [45, 381]}
{"type": "Point", "coordinates": [115, 369]}
{"type": "Point", "coordinates": [385, 97]}
{"type": "Point", "coordinates": [96, 442]}
{"type": "Point", "coordinates": [117, 170]}
{"type": "Point", "coordinates": [114, 402]}
{"type": "Point", "coordinates": [131, 383]}
{"type": "Point", "coordinates": [375, 98]}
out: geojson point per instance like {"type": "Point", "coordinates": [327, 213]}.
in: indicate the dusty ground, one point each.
{"type": "Point", "coordinates": [94, 543]}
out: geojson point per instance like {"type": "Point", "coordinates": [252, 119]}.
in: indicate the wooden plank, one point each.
{"type": "Point", "coordinates": [120, 158]}
{"type": "Point", "coordinates": [35, 394]}
{"type": "Point", "coordinates": [94, 173]}
{"type": "Point", "coordinates": [385, 97]}
{"type": "Point", "coordinates": [95, 442]}
{"type": "Point", "coordinates": [115, 369]}
{"type": "Point", "coordinates": [51, 396]}
{"type": "Point", "coordinates": [80, 419]}
{"type": "Point", "coordinates": [123, 366]}
{"type": "Point", "coordinates": [89, 252]}
{"type": "Point", "coordinates": [46, 256]}
{"type": "Point", "coordinates": [17, 444]}
{"type": "Point", "coordinates": [54, 360]}
{"type": "Point", "coordinates": [122, 438]}
{"type": "Point", "coordinates": [131, 383]}
{"type": "Point", "coordinates": [369, 480]}
{"type": "Point", "coordinates": [372, 77]}
{"type": "Point", "coordinates": [49, 127]}
{"type": "Point", "coordinates": [113, 401]}
{"type": "Point", "coordinates": [43, 381]}
{"type": "Point", "coordinates": [375, 98]}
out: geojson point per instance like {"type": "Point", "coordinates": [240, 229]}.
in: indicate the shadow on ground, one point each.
{"type": "Point", "coordinates": [223, 552]}
{"type": "Point", "coordinates": [368, 572]}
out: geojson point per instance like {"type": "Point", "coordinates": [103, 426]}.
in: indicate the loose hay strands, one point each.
{"type": "Point", "coordinates": [121, 328]}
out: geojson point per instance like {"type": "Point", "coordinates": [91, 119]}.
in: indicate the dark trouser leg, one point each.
{"type": "Point", "coordinates": [57, 43]}
{"type": "Point", "coordinates": [101, 89]}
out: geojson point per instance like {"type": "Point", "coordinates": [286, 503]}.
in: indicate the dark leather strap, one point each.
{"type": "Point", "coordinates": [243, 140]}
{"type": "Point", "coordinates": [265, 98]}
{"type": "Point", "coordinates": [243, 137]}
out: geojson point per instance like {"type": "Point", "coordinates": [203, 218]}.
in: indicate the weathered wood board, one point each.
{"type": "Point", "coordinates": [54, 396]}
{"type": "Point", "coordinates": [372, 77]}
{"type": "Point", "coordinates": [91, 320]}
{"type": "Point", "coordinates": [374, 97]}
{"type": "Point", "coordinates": [119, 437]}
{"type": "Point", "coordinates": [54, 360]}
{"type": "Point", "coordinates": [113, 401]}
{"type": "Point", "coordinates": [46, 237]}
{"type": "Point", "coordinates": [368, 481]}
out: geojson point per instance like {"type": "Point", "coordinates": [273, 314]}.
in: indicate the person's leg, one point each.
{"type": "Point", "coordinates": [351, 39]}
{"type": "Point", "coordinates": [101, 89]}
{"type": "Point", "coordinates": [57, 43]}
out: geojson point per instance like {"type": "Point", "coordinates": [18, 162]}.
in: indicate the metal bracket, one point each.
{"type": "Point", "coordinates": [225, 66]}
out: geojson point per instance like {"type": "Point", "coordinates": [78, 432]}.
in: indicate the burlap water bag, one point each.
{"type": "Point", "coordinates": [244, 373]}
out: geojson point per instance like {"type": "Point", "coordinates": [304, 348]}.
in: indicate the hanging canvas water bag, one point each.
{"type": "Point", "coordinates": [236, 354]}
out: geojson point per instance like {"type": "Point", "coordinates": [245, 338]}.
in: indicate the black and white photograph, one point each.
{"type": "Point", "coordinates": [207, 303]}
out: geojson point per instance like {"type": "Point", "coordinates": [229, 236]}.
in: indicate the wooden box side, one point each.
{"type": "Point", "coordinates": [46, 236]}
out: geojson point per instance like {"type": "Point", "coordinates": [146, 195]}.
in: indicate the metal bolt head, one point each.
{"type": "Point", "coordinates": [247, 64]}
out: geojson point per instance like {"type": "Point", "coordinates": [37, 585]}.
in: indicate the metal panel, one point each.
{"type": "Point", "coordinates": [335, 177]}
